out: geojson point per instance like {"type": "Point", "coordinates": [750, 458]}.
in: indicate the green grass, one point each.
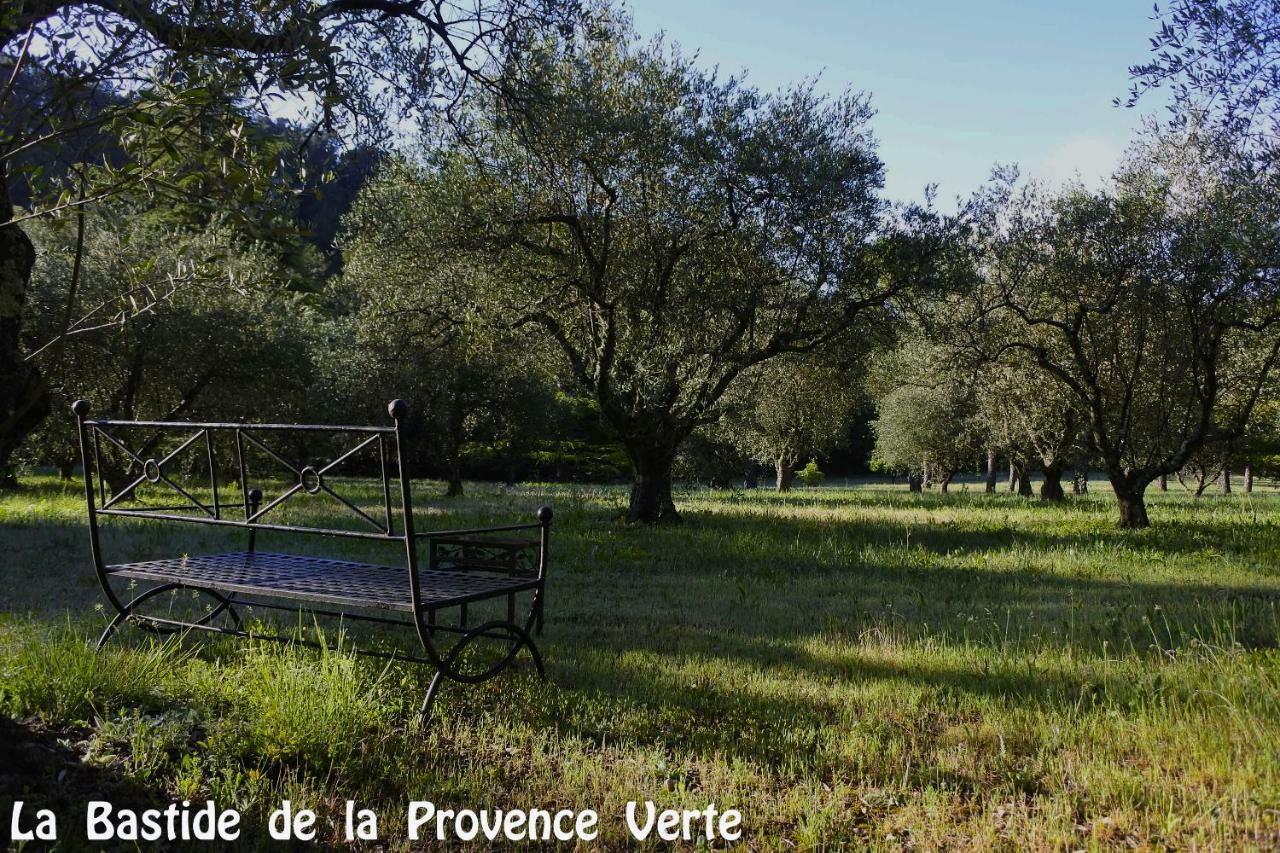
{"type": "Point", "coordinates": [846, 666]}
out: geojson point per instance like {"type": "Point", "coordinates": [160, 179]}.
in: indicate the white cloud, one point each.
{"type": "Point", "coordinates": [1087, 157]}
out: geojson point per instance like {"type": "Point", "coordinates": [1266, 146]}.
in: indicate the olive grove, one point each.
{"type": "Point", "coordinates": [666, 231]}
{"type": "Point", "coordinates": [583, 255]}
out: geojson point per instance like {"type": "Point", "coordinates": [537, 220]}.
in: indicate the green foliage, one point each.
{"type": "Point", "coordinates": [927, 412]}
{"type": "Point", "coordinates": [787, 408]}
{"type": "Point", "coordinates": [573, 459]}
{"type": "Point", "coordinates": [810, 475]}
{"type": "Point", "coordinates": [665, 230]}
{"type": "Point", "coordinates": [181, 95]}
{"type": "Point", "coordinates": [144, 99]}
{"type": "Point", "coordinates": [1217, 60]}
{"type": "Point", "coordinates": [417, 333]}
{"type": "Point", "coordinates": [706, 457]}
{"type": "Point", "coordinates": [159, 318]}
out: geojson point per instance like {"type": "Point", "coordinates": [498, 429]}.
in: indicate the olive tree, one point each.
{"type": "Point", "coordinates": [927, 418]}
{"type": "Point", "coordinates": [788, 409]}
{"type": "Point", "coordinates": [667, 230]}
{"type": "Point", "coordinates": [1154, 302]}
{"type": "Point", "coordinates": [415, 332]}
{"type": "Point", "coordinates": [221, 336]}
{"type": "Point", "coordinates": [920, 430]}
{"type": "Point", "coordinates": [1219, 60]}
{"type": "Point", "coordinates": [1031, 418]}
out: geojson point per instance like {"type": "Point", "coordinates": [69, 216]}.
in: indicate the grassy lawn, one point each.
{"type": "Point", "coordinates": [845, 666]}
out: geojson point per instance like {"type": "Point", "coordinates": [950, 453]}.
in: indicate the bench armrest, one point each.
{"type": "Point", "coordinates": [484, 549]}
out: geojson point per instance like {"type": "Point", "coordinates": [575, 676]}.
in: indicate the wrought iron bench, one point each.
{"type": "Point", "coordinates": [464, 567]}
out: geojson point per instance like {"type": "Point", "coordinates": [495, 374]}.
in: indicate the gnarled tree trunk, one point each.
{"type": "Point", "coordinates": [1248, 479]}
{"type": "Point", "coordinates": [1080, 481]}
{"type": "Point", "coordinates": [1051, 488]}
{"type": "Point", "coordinates": [1224, 480]}
{"type": "Point", "coordinates": [1020, 479]}
{"type": "Point", "coordinates": [1130, 499]}
{"type": "Point", "coordinates": [1133, 512]}
{"type": "Point", "coordinates": [1162, 482]}
{"type": "Point", "coordinates": [24, 398]}
{"type": "Point", "coordinates": [651, 501]}
{"type": "Point", "coordinates": [990, 484]}
{"type": "Point", "coordinates": [1024, 484]}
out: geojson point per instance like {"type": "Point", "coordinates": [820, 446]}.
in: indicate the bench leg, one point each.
{"type": "Point", "coordinates": [125, 614]}
{"type": "Point", "coordinates": [519, 639]}
{"type": "Point", "coordinates": [537, 658]}
{"type": "Point", "coordinates": [111, 628]}
{"type": "Point", "coordinates": [425, 711]}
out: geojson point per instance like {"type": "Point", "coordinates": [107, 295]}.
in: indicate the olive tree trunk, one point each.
{"type": "Point", "coordinates": [1051, 488]}
{"type": "Point", "coordinates": [1224, 480]}
{"type": "Point", "coordinates": [786, 474]}
{"type": "Point", "coordinates": [24, 397]}
{"type": "Point", "coordinates": [990, 485]}
{"type": "Point", "coordinates": [1133, 511]}
{"type": "Point", "coordinates": [455, 488]}
{"type": "Point", "coordinates": [1080, 481]}
{"type": "Point", "coordinates": [1020, 479]}
{"type": "Point", "coordinates": [1248, 479]}
{"type": "Point", "coordinates": [1130, 489]}
{"type": "Point", "coordinates": [1024, 484]}
{"type": "Point", "coordinates": [651, 501]}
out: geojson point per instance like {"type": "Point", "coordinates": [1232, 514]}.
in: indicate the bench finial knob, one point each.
{"type": "Point", "coordinates": [544, 514]}
{"type": "Point", "coordinates": [81, 408]}
{"type": "Point", "coordinates": [255, 497]}
{"type": "Point", "coordinates": [397, 409]}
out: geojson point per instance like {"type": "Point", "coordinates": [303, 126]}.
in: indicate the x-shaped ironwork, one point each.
{"type": "Point", "coordinates": [311, 479]}
{"type": "Point", "coordinates": [153, 471]}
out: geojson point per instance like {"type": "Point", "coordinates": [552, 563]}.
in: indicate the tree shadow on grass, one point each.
{"type": "Point", "coordinates": [784, 579]}
{"type": "Point", "coordinates": [759, 594]}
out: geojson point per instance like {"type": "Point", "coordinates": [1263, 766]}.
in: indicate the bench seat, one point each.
{"type": "Point", "coordinates": [322, 580]}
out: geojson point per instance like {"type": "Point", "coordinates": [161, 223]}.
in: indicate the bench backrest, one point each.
{"type": "Point", "coordinates": [247, 472]}
{"type": "Point", "coordinates": [243, 474]}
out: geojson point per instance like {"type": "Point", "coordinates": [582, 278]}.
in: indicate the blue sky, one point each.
{"type": "Point", "coordinates": [958, 86]}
